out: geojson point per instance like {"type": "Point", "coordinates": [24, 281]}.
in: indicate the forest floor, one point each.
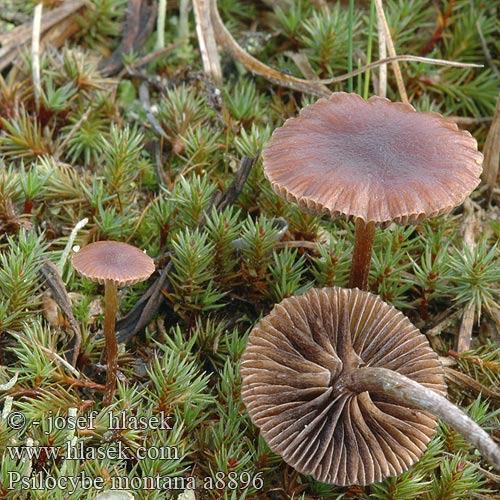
{"type": "Point", "coordinates": [143, 122]}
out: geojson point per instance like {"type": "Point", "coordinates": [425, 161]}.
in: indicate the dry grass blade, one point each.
{"type": "Point", "coordinates": [382, 52]}
{"type": "Point", "coordinates": [471, 226]}
{"type": "Point", "coordinates": [35, 53]}
{"type": "Point", "coordinates": [467, 382]}
{"type": "Point", "coordinates": [206, 40]}
{"type": "Point", "coordinates": [13, 41]}
{"type": "Point", "coordinates": [225, 39]}
{"type": "Point", "coordinates": [492, 153]}
{"type": "Point", "coordinates": [390, 47]}
{"type": "Point", "coordinates": [405, 57]}
{"type": "Point", "coordinates": [313, 87]}
{"type": "Point", "coordinates": [53, 280]}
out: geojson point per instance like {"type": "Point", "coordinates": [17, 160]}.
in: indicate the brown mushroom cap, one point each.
{"type": "Point", "coordinates": [292, 371]}
{"type": "Point", "coordinates": [373, 159]}
{"type": "Point", "coordinates": [115, 261]}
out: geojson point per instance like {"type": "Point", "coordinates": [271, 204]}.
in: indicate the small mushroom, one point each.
{"type": "Point", "coordinates": [113, 264]}
{"type": "Point", "coordinates": [374, 161]}
{"type": "Point", "coordinates": [336, 380]}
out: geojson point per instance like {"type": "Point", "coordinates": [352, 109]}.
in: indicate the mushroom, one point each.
{"type": "Point", "coordinates": [374, 161]}
{"type": "Point", "coordinates": [345, 388]}
{"type": "Point", "coordinates": [113, 264]}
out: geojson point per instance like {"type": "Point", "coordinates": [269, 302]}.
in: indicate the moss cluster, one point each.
{"type": "Point", "coordinates": [143, 156]}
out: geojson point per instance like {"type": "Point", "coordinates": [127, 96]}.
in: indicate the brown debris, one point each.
{"type": "Point", "coordinates": [139, 24]}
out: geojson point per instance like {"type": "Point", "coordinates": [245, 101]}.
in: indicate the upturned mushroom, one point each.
{"type": "Point", "coordinates": [374, 161]}
{"type": "Point", "coordinates": [113, 264]}
{"type": "Point", "coordinates": [346, 389]}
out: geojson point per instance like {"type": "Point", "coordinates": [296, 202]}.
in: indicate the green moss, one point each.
{"type": "Point", "coordinates": [150, 171]}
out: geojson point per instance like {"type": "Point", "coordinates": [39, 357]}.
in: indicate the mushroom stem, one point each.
{"type": "Point", "coordinates": [408, 391]}
{"type": "Point", "coordinates": [362, 257]}
{"type": "Point", "coordinates": [111, 298]}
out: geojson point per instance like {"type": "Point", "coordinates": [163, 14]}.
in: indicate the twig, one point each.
{"type": "Point", "coordinates": [486, 50]}
{"type": "Point", "coordinates": [139, 23]}
{"type": "Point", "coordinates": [469, 225]}
{"type": "Point", "coordinates": [225, 39]}
{"type": "Point", "coordinates": [155, 81]}
{"type": "Point", "coordinates": [467, 120]}
{"type": "Point", "coordinates": [465, 332]}
{"type": "Point", "coordinates": [464, 380]}
{"type": "Point", "coordinates": [152, 56]}
{"type": "Point", "coordinates": [302, 62]}
{"type": "Point", "coordinates": [55, 357]}
{"type": "Point", "coordinates": [35, 54]}
{"type": "Point", "coordinates": [406, 57]}
{"type": "Point", "coordinates": [15, 40]}
{"type": "Point", "coordinates": [445, 323]}
{"type": "Point", "coordinates": [146, 105]}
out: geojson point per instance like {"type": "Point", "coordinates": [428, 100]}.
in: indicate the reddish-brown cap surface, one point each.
{"type": "Point", "coordinates": [113, 260]}
{"type": "Point", "coordinates": [373, 159]}
{"type": "Point", "coordinates": [292, 372]}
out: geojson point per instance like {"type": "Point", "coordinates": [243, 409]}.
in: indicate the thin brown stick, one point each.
{"type": "Point", "coordinates": [224, 38]}
{"type": "Point", "coordinates": [405, 57]}
{"type": "Point", "coordinates": [486, 51]}
{"type": "Point", "coordinates": [470, 226]}
{"type": "Point", "coordinates": [152, 56]}
{"type": "Point", "coordinates": [449, 320]}
{"type": "Point", "coordinates": [469, 383]}
{"type": "Point", "coordinates": [54, 281]}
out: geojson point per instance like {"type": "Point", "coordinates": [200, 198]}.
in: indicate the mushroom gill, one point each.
{"type": "Point", "coordinates": [295, 368]}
